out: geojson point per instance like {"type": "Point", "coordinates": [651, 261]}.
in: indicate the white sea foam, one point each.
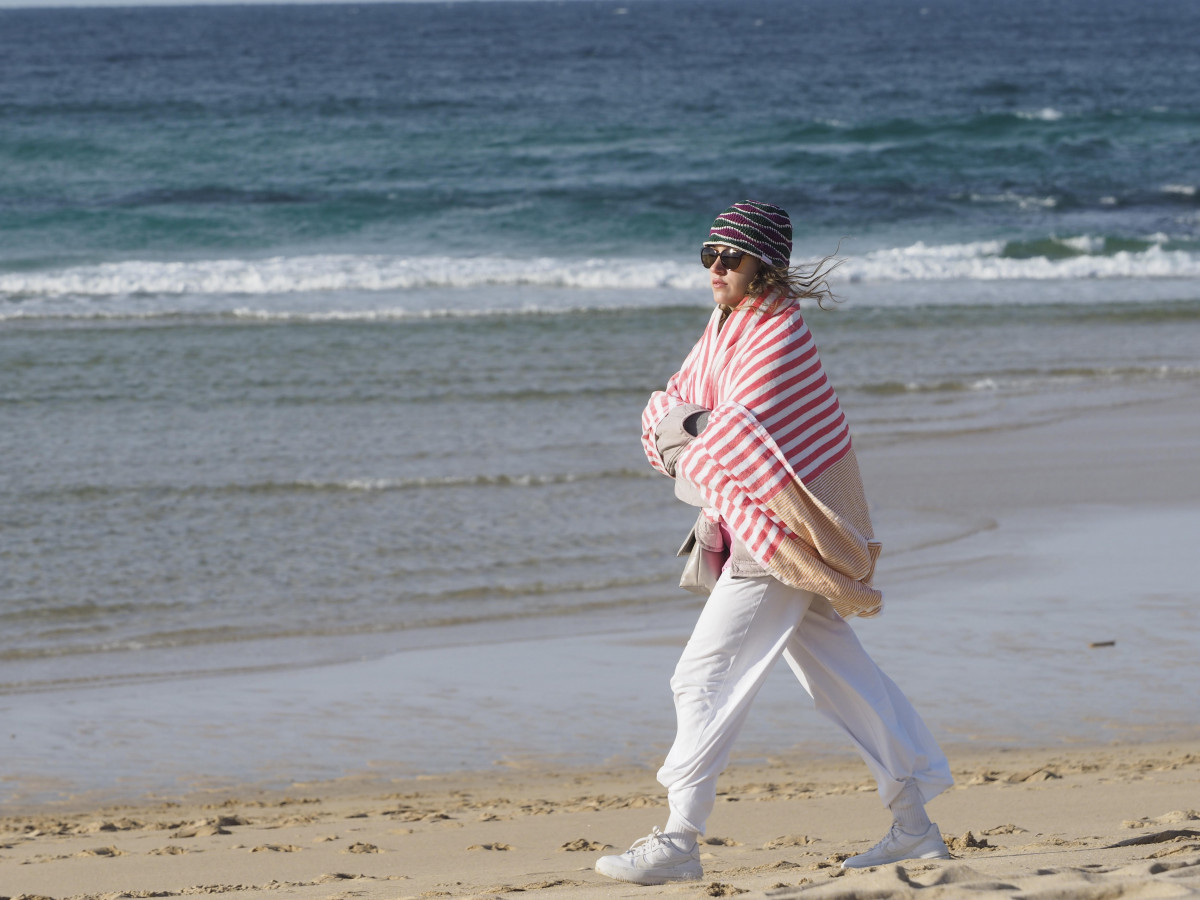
{"type": "Point", "coordinates": [1084, 243]}
{"type": "Point", "coordinates": [1023, 201]}
{"type": "Point", "coordinates": [394, 313]}
{"type": "Point", "coordinates": [326, 273]}
{"type": "Point", "coordinates": [1046, 114]}
{"type": "Point", "coordinates": [333, 287]}
{"type": "Point", "coordinates": [369, 485]}
{"type": "Point", "coordinates": [983, 261]}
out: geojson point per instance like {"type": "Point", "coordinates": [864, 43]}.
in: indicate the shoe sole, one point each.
{"type": "Point", "coordinates": [891, 862]}
{"type": "Point", "coordinates": [647, 879]}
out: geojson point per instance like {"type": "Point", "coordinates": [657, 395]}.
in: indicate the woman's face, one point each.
{"type": "Point", "coordinates": [729, 288]}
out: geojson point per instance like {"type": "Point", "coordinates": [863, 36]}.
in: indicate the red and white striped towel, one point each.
{"type": "Point", "coordinates": [775, 461]}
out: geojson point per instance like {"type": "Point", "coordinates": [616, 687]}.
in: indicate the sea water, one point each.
{"type": "Point", "coordinates": [325, 330]}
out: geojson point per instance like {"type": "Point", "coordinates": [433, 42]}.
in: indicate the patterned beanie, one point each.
{"type": "Point", "coordinates": [758, 228]}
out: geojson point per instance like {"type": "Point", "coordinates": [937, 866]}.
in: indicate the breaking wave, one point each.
{"type": "Point", "coordinates": [331, 287]}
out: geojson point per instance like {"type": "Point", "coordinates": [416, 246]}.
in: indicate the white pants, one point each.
{"type": "Point", "coordinates": [745, 626]}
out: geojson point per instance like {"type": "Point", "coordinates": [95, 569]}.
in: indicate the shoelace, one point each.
{"type": "Point", "coordinates": [649, 842]}
{"type": "Point", "coordinates": [890, 838]}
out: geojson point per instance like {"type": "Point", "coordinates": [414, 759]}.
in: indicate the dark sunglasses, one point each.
{"type": "Point", "coordinates": [730, 259]}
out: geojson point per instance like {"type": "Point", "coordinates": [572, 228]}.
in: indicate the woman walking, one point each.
{"type": "Point", "coordinates": [752, 432]}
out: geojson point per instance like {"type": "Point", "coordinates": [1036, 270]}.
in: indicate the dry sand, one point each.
{"type": "Point", "coordinates": [1110, 822]}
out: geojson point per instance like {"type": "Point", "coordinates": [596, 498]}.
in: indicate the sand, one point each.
{"type": "Point", "coordinates": [1073, 731]}
{"type": "Point", "coordinates": [1082, 823]}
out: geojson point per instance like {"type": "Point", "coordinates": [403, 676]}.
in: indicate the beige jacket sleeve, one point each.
{"type": "Point", "coordinates": [672, 434]}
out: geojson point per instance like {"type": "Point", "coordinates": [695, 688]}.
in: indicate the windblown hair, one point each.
{"type": "Point", "coordinates": [792, 283]}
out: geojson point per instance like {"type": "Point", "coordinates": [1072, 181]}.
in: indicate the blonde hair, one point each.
{"type": "Point", "coordinates": [786, 283]}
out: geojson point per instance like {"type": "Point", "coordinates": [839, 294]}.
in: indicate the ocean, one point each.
{"type": "Point", "coordinates": [325, 330]}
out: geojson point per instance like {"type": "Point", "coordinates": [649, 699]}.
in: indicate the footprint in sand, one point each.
{"type": "Point", "coordinates": [967, 841]}
{"type": "Point", "coordinates": [1005, 829]}
{"type": "Point", "coordinates": [789, 840]}
{"type": "Point", "coordinates": [101, 851]}
{"type": "Point", "coordinates": [584, 844]}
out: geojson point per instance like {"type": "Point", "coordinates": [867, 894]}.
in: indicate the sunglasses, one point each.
{"type": "Point", "coordinates": [730, 259]}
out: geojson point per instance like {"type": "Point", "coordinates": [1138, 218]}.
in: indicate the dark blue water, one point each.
{"type": "Point", "coordinates": [585, 129]}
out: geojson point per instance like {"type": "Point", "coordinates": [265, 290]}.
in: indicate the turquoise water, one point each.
{"type": "Point", "coordinates": [584, 131]}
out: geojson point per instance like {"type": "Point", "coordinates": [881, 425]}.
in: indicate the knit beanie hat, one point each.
{"type": "Point", "coordinates": [758, 228]}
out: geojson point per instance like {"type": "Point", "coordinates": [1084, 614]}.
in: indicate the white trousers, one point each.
{"type": "Point", "coordinates": [746, 625]}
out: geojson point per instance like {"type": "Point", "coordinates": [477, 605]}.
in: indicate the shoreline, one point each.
{"type": "Point", "coordinates": [1007, 557]}
{"type": "Point", "coordinates": [986, 632]}
{"type": "Point", "coordinates": [813, 763]}
{"type": "Point", "coordinates": [1017, 557]}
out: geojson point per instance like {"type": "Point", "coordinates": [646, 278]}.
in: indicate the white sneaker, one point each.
{"type": "Point", "coordinates": [654, 859]}
{"type": "Point", "coordinates": [898, 845]}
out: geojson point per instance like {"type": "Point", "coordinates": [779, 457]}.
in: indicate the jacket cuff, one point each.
{"type": "Point", "coordinates": [672, 435]}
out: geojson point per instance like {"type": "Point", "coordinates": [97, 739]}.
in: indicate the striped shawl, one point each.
{"type": "Point", "coordinates": [775, 460]}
